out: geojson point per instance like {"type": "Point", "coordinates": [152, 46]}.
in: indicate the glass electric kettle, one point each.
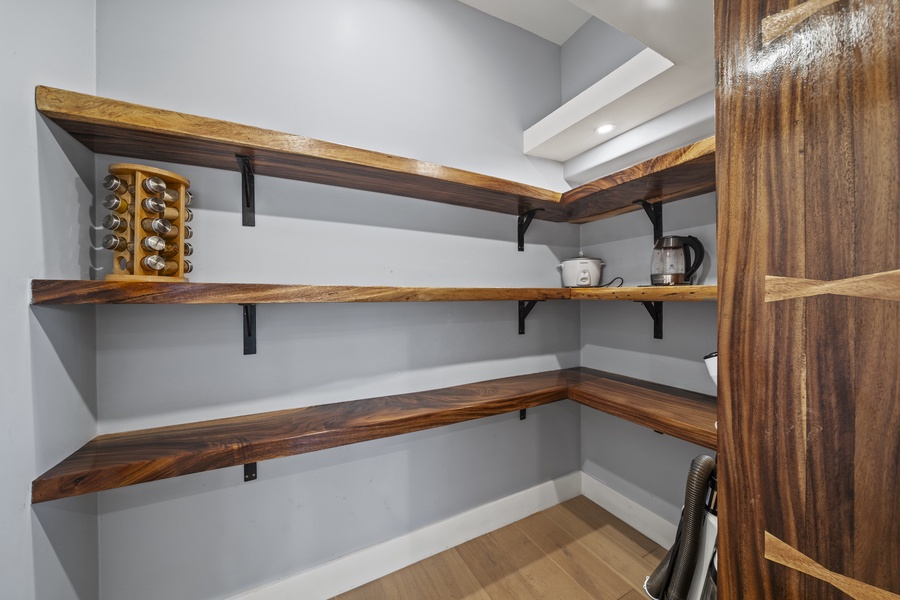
{"type": "Point", "coordinates": [675, 259]}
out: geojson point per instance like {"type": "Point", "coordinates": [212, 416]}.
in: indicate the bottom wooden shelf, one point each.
{"type": "Point", "coordinates": [686, 415]}
{"type": "Point", "coordinates": [121, 459]}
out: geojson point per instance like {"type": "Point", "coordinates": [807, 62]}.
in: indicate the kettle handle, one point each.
{"type": "Point", "coordinates": [697, 254]}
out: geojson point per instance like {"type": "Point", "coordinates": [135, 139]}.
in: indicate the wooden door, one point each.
{"type": "Point", "coordinates": [808, 168]}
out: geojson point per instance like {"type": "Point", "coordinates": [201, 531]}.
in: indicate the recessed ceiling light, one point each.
{"type": "Point", "coordinates": [605, 128]}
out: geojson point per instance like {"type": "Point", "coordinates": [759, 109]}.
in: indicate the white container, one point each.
{"type": "Point", "coordinates": [712, 365]}
{"type": "Point", "coordinates": [581, 271]}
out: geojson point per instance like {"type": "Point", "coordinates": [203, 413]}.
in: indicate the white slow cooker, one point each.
{"type": "Point", "coordinates": [581, 271]}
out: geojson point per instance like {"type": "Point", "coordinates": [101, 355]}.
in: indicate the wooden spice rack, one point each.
{"type": "Point", "coordinates": [135, 176]}
{"type": "Point", "coordinates": [121, 459]}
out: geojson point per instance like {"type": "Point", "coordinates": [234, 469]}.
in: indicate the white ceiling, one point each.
{"type": "Point", "coordinates": [677, 31]}
{"type": "Point", "coordinates": [554, 20]}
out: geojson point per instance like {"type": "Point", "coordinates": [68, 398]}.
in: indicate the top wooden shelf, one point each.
{"type": "Point", "coordinates": [126, 129]}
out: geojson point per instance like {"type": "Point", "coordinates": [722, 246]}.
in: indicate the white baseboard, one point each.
{"type": "Point", "coordinates": [649, 523]}
{"type": "Point", "coordinates": [376, 561]}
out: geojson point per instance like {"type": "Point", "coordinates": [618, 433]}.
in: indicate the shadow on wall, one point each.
{"type": "Point", "coordinates": [698, 212]}
{"type": "Point", "coordinates": [64, 379]}
{"type": "Point", "coordinates": [70, 225]}
{"type": "Point", "coordinates": [220, 190]}
{"type": "Point", "coordinates": [618, 336]}
{"type": "Point", "coordinates": [63, 352]}
{"type": "Point", "coordinates": [316, 353]}
{"type": "Point", "coordinates": [639, 463]}
{"type": "Point", "coordinates": [66, 545]}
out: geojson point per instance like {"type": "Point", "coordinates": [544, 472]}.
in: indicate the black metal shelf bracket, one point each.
{"type": "Point", "coordinates": [249, 327]}
{"type": "Point", "coordinates": [524, 221]}
{"type": "Point", "coordinates": [250, 472]}
{"type": "Point", "coordinates": [525, 307]}
{"type": "Point", "coordinates": [248, 190]}
{"type": "Point", "coordinates": [656, 313]}
{"type": "Point", "coordinates": [523, 414]}
{"type": "Point", "coordinates": [654, 211]}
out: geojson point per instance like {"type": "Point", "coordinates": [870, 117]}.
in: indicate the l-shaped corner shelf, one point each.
{"type": "Point", "coordinates": [122, 128]}
{"type": "Point", "coordinates": [64, 291]}
{"type": "Point", "coordinates": [121, 459]}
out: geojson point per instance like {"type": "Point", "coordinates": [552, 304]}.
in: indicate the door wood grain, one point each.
{"type": "Point", "coordinates": [808, 163]}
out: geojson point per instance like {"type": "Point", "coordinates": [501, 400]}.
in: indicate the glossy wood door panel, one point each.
{"type": "Point", "coordinates": [808, 163]}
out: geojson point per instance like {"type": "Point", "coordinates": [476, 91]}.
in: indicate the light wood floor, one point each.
{"type": "Point", "coordinates": [573, 551]}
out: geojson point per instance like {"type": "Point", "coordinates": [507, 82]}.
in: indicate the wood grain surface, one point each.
{"type": "Point", "coordinates": [682, 173]}
{"type": "Point", "coordinates": [808, 163]}
{"type": "Point", "coordinates": [777, 25]}
{"type": "Point", "coordinates": [686, 415]}
{"type": "Point", "coordinates": [877, 286]}
{"type": "Point", "coordinates": [62, 291]}
{"type": "Point", "coordinates": [71, 291]}
{"type": "Point", "coordinates": [121, 459]}
{"type": "Point", "coordinates": [126, 129]}
{"type": "Point", "coordinates": [783, 554]}
{"type": "Point", "coordinates": [659, 293]}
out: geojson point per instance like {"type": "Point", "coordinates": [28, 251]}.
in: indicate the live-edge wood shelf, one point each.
{"type": "Point", "coordinates": [113, 292]}
{"type": "Point", "coordinates": [663, 293]}
{"type": "Point", "coordinates": [126, 129]}
{"type": "Point", "coordinates": [121, 459]}
{"type": "Point", "coordinates": [66, 291]}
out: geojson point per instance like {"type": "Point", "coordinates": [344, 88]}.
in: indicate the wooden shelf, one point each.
{"type": "Point", "coordinates": [125, 129]}
{"type": "Point", "coordinates": [121, 459]}
{"type": "Point", "coordinates": [682, 173]}
{"type": "Point", "coordinates": [675, 293]}
{"type": "Point", "coordinates": [65, 291]}
{"type": "Point", "coordinates": [686, 415]}
{"type": "Point", "coordinates": [62, 291]}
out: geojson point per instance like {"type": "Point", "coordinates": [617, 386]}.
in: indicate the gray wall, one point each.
{"type": "Point", "coordinates": [592, 53]}
{"type": "Point", "coordinates": [618, 336]}
{"type": "Point", "coordinates": [48, 405]}
{"type": "Point", "coordinates": [434, 80]}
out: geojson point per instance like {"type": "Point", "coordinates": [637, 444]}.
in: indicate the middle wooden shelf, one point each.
{"type": "Point", "coordinates": [64, 291]}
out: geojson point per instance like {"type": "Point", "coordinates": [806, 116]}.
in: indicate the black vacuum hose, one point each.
{"type": "Point", "coordinates": [672, 578]}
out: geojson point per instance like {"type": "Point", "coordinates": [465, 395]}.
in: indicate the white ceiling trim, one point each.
{"type": "Point", "coordinates": [543, 139]}
{"type": "Point", "coordinates": [689, 123]}
{"type": "Point", "coordinates": [679, 30]}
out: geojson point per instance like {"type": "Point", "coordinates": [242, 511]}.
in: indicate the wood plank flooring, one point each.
{"type": "Point", "coordinates": [573, 551]}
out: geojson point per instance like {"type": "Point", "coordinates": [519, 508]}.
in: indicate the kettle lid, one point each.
{"type": "Point", "coordinates": [669, 241]}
